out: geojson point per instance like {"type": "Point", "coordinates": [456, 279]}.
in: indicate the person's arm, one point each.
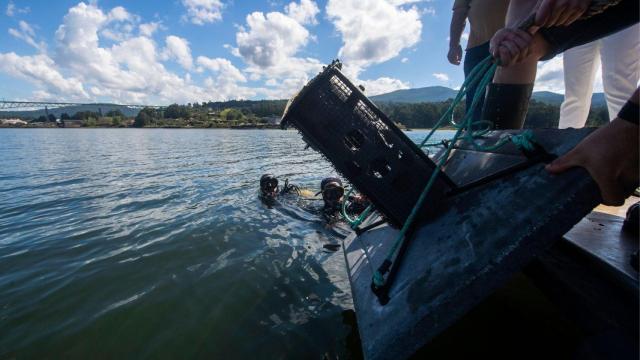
{"type": "Point", "coordinates": [510, 45]}
{"type": "Point", "coordinates": [610, 155]}
{"type": "Point", "coordinates": [458, 23]}
{"type": "Point", "coordinates": [559, 12]}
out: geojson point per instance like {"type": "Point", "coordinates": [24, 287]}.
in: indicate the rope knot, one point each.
{"type": "Point", "coordinates": [524, 141]}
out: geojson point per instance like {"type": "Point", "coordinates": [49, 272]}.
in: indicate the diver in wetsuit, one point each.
{"type": "Point", "coordinates": [332, 191]}
{"type": "Point", "coordinates": [270, 190]}
{"type": "Point", "coordinates": [333, 196]}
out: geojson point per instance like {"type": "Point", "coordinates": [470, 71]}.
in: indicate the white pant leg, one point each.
{"type": "Point", "coordinates": [620, 55]}
{"type": "Point", "coordinates": [580, 65]}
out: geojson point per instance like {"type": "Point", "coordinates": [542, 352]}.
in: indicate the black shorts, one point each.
{"type": "Point", "coordinates": [613, 19]}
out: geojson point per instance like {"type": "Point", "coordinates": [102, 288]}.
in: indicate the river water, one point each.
{"type": "Point", "coordinates": [153, 244]}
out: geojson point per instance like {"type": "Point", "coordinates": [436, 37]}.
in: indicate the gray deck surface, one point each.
{"type": "Point", "coordinates": [458, 258]}
{"type": "Point", "coordinates": [600, 237]}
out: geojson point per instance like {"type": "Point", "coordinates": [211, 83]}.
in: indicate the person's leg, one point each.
{"type": "Point", "coordinates": [525, 71]}
{"type": "Point", "coordinates": [473, 57]}
{"type": "Point", "coordinates": [507, 98]}
{"type": "Point", "coordinates": [580, 66]}
{"type": "Point", "coordinates": [620, 67]}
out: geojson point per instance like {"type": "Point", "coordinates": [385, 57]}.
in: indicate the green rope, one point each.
{"type": "Point", "coordinates": [481, 76]}
{"type": "Point", "coordinates": [362, 217]}
{"type": "Point", "coordinates": [354, 223]}
{"type": "Point", "coordinates": [524, 140]}
{"type": "Point", "coordinates": [343, 209]}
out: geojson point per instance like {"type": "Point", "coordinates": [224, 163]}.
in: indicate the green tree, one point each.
{"type": "Point", "coordinates": [176, 111]}
{"type": "Point", "coordinates": [90, 122]}
{"type": "Point", "coordinates": [231, 114]}
{"type": "Point", "coordinates": [145, 117]}
{"type": "Point", "coordinates": [115, 113]}
{"type": "Point", "coordinates": [85, 115]}
{"type": "Point", "coordinates": [51, 118]}
{"type": "Point", "coordinates": [65, 116]}
{"type": "Point", "coordinates": [598, 117]}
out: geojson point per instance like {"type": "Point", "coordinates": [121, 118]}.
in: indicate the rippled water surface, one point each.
{"type": "Point", "coordinates": [153, 243]}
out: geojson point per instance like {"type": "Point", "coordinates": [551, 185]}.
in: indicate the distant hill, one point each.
{"type": "Point", "coordinates": [548, 97]}
{"type": "Point", "coordinates": [442, 93]}
{"type": "Point", "coordinates": [70, 110]}
{"type": "Point", "coordinates": [425, 94]}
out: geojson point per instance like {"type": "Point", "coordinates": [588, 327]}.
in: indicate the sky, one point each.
{"type": "Point", "coordinates": [181, 51]}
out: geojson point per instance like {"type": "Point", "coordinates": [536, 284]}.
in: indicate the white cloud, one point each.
{"type": "Point", "coordinates": [27, 34]}
{"type": "Point", "coordinates": [119, 32]}
{"type": "Point", "coordinates": [129, 71]}
{"type": "Point", "coordinates": [271, 39]}
{"type": "Point", "coordinates": [221, 66]}
{"type": "Point", "coordinates": [429, 11]}
{"type": "Point", "coordinates": [119, 13]}
{"type": "Point", "coordinates": [269, 44]}
{"type": "Point", "coordinates": [441, 76]}
{"type": "Point", "coordinates": [12, 10]}
{"type": "Point", "coordinates": [40, 70]}
{"type": "Point", "coordinates": [107, 54]}
{"type": "Point", "coordinates": [305, 12]}
{"type": "Point", "coordinates": [404, 60]}
{"type": "Point", "coordinates": [550, 76]}
{"type": "Point", "coordinates": [148, 29]}
{"type": "Point", "coordinates": [26, 28]}
{"type": "Point", "coordinates": [374, 31]}
{"type": "Point", "coordinates": [178, 49]}
{"type": "Point", "coordinates": [373, 86]}
{"type": "Point", "coordinates": [200, 12]}
{"type": "Point", "coordinates": [382, 85]}
{"type": "Point", "coordinates": [119, 24]}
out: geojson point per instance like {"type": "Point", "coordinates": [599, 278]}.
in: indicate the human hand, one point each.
{"type": "Point", "coordinates": [510, 45]}
{"type": "Point", "coordinates": [359, 199]}
{"type": "Point", "coordinates": [559, 12]}
{"type": "Point", "coordinates": [610, 155]}
{"type": "Point", "coordinates": [455, 54]}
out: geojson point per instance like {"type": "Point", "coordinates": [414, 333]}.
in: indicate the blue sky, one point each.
{"type": "Point", "coordinates": [159, 52]}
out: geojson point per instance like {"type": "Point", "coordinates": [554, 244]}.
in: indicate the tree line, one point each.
{"type": "Point", "coordinates": [419, 115]}
{"type": "Point", "coordinates": [411, 115]}
{"type": "Point", "coordinates": [425, 115]}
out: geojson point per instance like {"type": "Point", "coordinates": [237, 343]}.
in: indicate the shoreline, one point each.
{"type": "Point", "coordinates": [179, 128]}
{"type": "Point", "coordinates": [239, 127]}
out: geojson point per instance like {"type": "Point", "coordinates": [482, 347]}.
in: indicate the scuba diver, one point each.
{"type": "Point", "coordinates": [333, 195]}
{"type": "Point", "coordinates": [270, 190]}
{"type": "Point", "coordinates": [331, 189]}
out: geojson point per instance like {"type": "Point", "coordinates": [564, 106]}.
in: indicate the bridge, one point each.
{"type": "Point", "coordinates": [10, 104]}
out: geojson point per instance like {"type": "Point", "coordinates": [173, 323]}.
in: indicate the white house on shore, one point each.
{"type": "Point", "coordinates": [12, 122]}
{"type": "Point", "coordinates": [272, 120]}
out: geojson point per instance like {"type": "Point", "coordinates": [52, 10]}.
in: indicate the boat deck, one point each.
{"type": "Point", "coordinates": [485, 236]}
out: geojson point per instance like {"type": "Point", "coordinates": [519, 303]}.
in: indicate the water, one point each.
{"type": "Point", "coordinates": [153, 244]}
